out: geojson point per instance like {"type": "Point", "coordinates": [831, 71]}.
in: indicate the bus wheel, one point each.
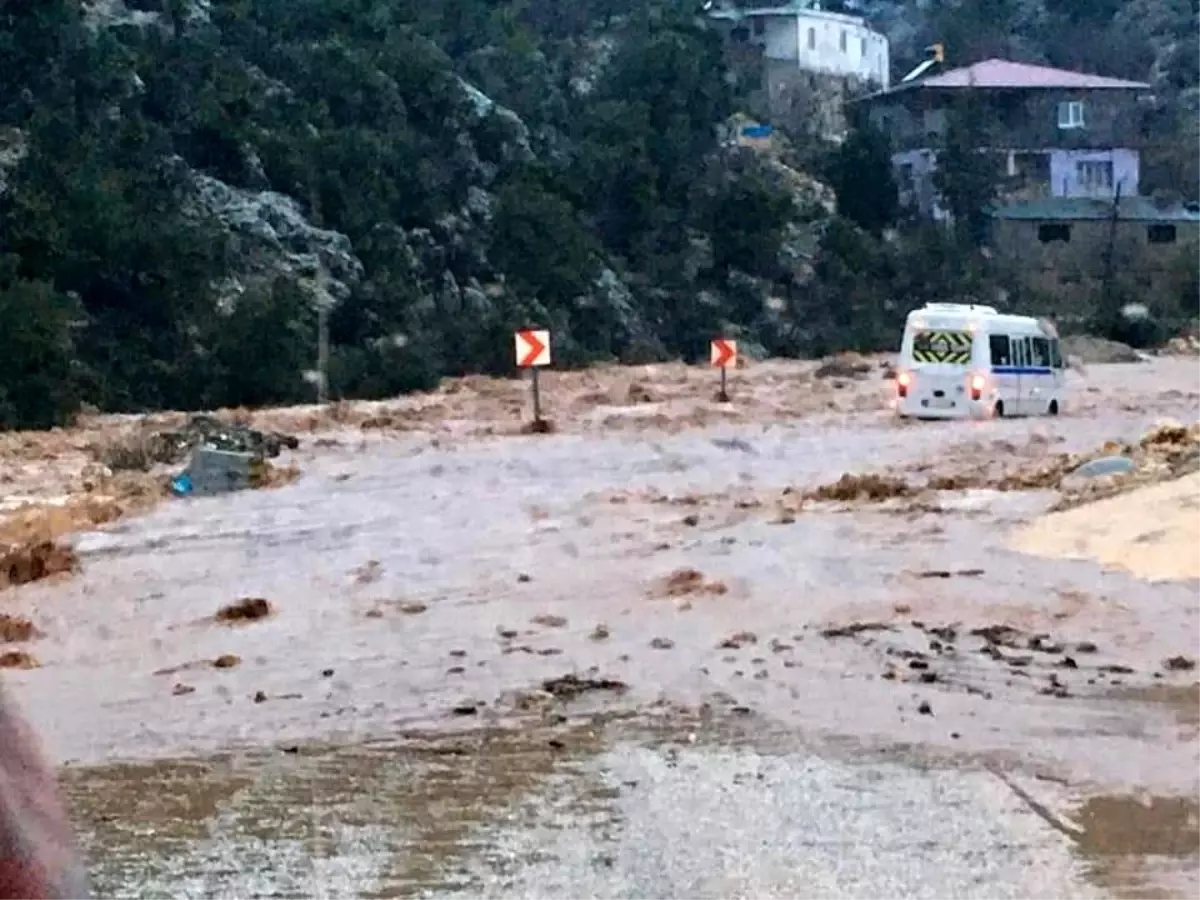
{"type": "Point", "coordinates": [998, 410]}
{"type": "Point", "coordinates": [1053, 410]}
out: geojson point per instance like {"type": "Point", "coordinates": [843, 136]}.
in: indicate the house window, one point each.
{"type": "Point", "coordinates": [1160, 234]}
{"type": "Point", "coordinates": [812, 39]}
{"type": "Point", "coordinates": [760, 25]}
{"type": "Point", "coordinates": [1070, 114]}
{"type": "Point", "coordinates": [1052, 232]}
{"type": "Point", "coordinates": [842, 41]}
{"type": "Point", "coordinates": [1095, 175]}
{"type": "Point", "coordinates": [934, 122]}
{"type": "Point", "coordinates": [1030, 169]}
{"type": "Point", "coordinates": [862, 46]}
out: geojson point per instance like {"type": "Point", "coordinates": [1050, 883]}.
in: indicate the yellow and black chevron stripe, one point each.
{"type": "Point", "coordinates": [953, 347]}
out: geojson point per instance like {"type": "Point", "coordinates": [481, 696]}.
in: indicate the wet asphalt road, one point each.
{"type": "Point", "coordinates": [738, 824]}
{"type": "Point", "coordinates": [596, 819]}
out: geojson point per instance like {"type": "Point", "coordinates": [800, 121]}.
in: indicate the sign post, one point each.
{"type": "Point", "coordinates": [723, 354]}
{"type": "Point", "coordinates": [533, 352]}
{"type": "Point", "coordinates": [322, 355]}
{"type": "Point", "coordinates": [320, 376]}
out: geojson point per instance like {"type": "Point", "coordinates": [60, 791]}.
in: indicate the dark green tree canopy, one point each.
{"type": "Point", "coordinates": [860, 173]}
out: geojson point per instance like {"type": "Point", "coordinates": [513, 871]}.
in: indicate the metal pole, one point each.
{"type": "Point", "coordinates": [537, 397]}
{"type": "Point", "coordinates": [724, 395]}
{"type": "Point", "coordinates": [1110, 250]}
{"type": "Point", "coordinates": [322, 355]}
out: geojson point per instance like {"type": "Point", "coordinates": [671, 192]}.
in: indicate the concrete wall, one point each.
{"type": "Point", "coordinates": [779, 38]}
{"type": "Point", "coordinates": [1087, 239]}
{"type": "Point", "coordinates": [1069, 275]}
{"type": "Point", "coordinates": [914, 177]}
{"type": "Point", "coordinates": [1015, 119]}
{"type": "Point", "coordinates": [1069, 179]}
{"type": "Point", "coordinates": [804, 102]}
{"type": "Point", "coordinates": [1025, 175]}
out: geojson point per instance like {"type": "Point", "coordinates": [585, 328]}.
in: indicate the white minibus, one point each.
{"type": "Point", "coordinates": [967, 361]}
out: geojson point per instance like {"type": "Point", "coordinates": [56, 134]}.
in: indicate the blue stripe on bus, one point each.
{"type": "Point", "coordinates": [1022, 370]}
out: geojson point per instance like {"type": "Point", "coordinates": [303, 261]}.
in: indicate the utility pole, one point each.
{"type": "Point", "coordinates": [1110, 252]}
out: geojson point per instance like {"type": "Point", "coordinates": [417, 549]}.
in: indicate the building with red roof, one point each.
{"type": "Point", "coordinates": [1058, 133]}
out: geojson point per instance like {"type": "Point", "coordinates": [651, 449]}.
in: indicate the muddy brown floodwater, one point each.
{"type": "Point", "coordinates": [357, 684]}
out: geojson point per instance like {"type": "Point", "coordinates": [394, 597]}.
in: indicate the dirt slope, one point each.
{"type": "Point", "coordinates": [1152, 532]}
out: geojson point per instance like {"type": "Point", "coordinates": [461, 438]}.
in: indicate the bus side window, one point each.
{"type": "Point", "coordinates": [999, 349]}
{"type": "Point", "coordinates": [1056, 361]}
{"type": "Point", "coordinates": [1039, 349]}
{"type": "Point", "coordinates": [1020, 351]}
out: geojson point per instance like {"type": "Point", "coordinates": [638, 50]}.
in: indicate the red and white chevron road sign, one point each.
{"type": "Point", "coordinates": [723, 353]}
{"type": "Point", "coordinates": [533, 348]}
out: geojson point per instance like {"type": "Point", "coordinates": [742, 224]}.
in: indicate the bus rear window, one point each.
{"type": "Point", "coordinates": [953, 347]}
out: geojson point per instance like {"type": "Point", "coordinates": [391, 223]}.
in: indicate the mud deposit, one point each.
{"type": "Point", "coordinates": [778, 647]}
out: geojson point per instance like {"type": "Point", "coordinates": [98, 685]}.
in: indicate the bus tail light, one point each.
{"type": "Point", "coordinates": [978, 383]}
{"type": "Point", "coordinates": [903, 383]}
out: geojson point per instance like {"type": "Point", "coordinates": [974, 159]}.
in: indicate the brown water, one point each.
{"type": "Point", "coordinates": [412, 576]}
{"type": "Point", "coordinates": [371, 820]}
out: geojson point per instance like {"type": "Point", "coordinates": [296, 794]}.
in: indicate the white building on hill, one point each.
{"type": "Point", "coordinates": [808, 38]}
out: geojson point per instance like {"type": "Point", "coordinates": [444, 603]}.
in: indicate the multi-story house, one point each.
{"type": "Point", "coordinates": [812, 60]}
{"type": "Point", "coordinates": [1058, 133]}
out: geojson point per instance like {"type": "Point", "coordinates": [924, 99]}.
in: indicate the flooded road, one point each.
{"type": "Point", "coordinates": [874, 699]}
{"type": "Point", "coordinates": [595, 815]}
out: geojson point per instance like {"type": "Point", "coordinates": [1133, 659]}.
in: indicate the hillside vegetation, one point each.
{"type": "Point", "coordinates": [184, 182]}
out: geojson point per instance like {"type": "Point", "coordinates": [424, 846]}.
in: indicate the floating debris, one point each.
{"type": "Point", "coordinates": [34, 560]}
{"type": "Point", "coordinates": [854, 629]}
{"type": "Point", "coordinates": [18, 659]}
{"type": "Point", "coordinates": [870, 487]}
{"type": "Point", "coordinates": [143, 450]}
{"type": "Point", "coordinates": [248, 609]}
{"type": "Point", "coordinates": [568, 687]}
{"type": "Point", "coordinates": [15, 629]}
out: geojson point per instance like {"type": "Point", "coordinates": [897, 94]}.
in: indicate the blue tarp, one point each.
{"type": "Point", "coordinates": [758, 131]}
{"type": "Point", "coordinates": [181, 485]}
